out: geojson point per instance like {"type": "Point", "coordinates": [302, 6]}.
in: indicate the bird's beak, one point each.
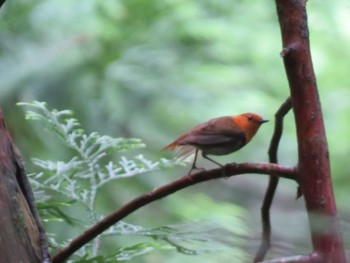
{"type": "Point", "coordinates": [263, 121]}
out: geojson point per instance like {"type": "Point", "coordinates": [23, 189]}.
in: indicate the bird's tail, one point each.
{"type": "Point", "coordinates": [170, 147]}
{"type": "Point", "coordinates": [182, 151]}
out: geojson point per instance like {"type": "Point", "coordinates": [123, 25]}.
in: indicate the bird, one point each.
{"type": "Point", "coordinates": [218, 136]}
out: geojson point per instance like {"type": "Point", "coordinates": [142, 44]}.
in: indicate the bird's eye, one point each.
{"type": "Point", "coordinates": [250, 117]}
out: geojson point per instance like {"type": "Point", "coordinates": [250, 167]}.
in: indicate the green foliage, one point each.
{"type": "Point", "coordinates": [79, 181]}
{"type": "Point", "coordinates": [122, 254]}
{"type": "Point", "coordinates": [89, 151]}
{"type": "Point", "coordinates": [153, 69]}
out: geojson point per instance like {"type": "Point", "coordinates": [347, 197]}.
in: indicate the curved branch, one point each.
{"type": "Point", "coordinates": [273, 182]}
{"type": "Point", "coordinates": [313, 258]}
{"type": "Point", "coordinates": [277, 134]}
{"type": "Point", "coordinates": [158, 193]}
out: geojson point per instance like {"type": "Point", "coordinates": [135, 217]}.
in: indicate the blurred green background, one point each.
{"type": "Point", "coordinates": [152, 70]}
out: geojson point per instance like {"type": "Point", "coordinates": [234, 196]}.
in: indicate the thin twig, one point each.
{"type": "Point", "coordinates": [158, 193]}
{"type": "Point", "coordinates": [273, 182]}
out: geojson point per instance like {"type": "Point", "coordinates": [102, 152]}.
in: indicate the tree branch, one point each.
{"type": "Point", "coordinates": [273, 182]}
{"type": "Point", "coordinates": [313, 258]}
{"type": "Point", "coordinates": [277, 134]}
{"type": "Point", "coordinates": [2, 2]}
{"type": "Point", "coordinates": [313, 168]}
{"type": "Point", "coordinates": [158, 193]}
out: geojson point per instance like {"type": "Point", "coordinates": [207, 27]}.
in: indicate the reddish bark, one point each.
{"type": "Point", "coordinates": [314, 167]}
{"type": "Point", "coordinates": [22, 236]}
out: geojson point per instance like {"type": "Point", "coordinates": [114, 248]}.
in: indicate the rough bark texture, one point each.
{"type": "Point", "coordinates": [20, 237]}
{"type": "Point", "coordinates": [314, 167]}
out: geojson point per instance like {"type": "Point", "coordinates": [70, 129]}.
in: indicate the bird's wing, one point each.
{"type": "Point", "coordinates": [216, 144]}
{"type": "Point", "coordinates": [206, 139]}
{"type": "Point", "coordinates": [216, 131]}
{"type": "Point", "coordinates": [218, 126]}
{"type": "Point", "coordinates": [218, 136]}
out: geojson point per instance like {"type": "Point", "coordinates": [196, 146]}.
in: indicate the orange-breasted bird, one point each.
{"type": "Point", "coordinates": [218, 136]}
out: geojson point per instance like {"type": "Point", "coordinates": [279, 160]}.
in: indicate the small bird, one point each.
{"type": "Point", "coordinates": [218, 136]}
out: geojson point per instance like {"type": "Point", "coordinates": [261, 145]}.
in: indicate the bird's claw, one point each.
{"type": "Point", "coordinates": [195, 168]}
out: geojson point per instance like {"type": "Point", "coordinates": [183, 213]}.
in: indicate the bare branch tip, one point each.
{"type": "Point", "coordinates": [286, 50]}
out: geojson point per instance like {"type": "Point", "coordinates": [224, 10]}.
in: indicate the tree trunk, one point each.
{"type": "Point", "coordinates": [21, 234]}
{"type": "Point", "coordinates": [314, 167]}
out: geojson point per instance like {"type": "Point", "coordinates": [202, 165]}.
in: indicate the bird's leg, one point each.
{"type": "Point", "coordinates": [206, 157]}
{"type": "Point", "coordinates": [194, 167]}
{"type": "Point", "coordinates": [219, 164]}
{"type": "Point", "coordinates": [194, 162]}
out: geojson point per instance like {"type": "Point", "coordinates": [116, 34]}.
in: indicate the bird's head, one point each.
{"type": "Point", "coordinates": [249, 123]}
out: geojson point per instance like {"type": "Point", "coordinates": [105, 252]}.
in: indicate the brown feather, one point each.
{"type": "Point", "coordinates": [217, 136]}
